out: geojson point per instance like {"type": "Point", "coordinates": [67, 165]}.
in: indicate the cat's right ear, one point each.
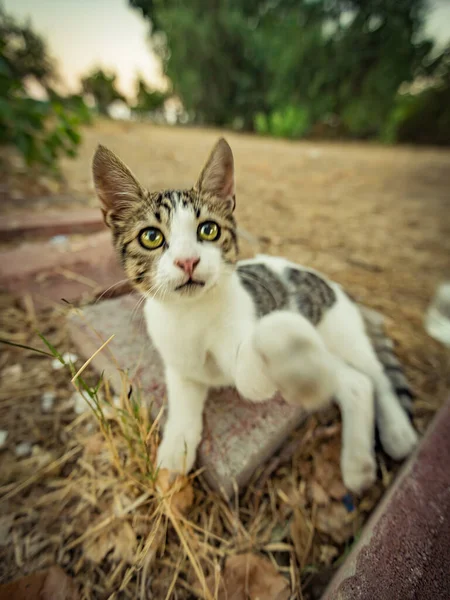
{"type": "Point", "coordinates": [116, 186]}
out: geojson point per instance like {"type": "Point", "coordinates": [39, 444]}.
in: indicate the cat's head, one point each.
{"type": "Point", "coordinates": [172, 244]}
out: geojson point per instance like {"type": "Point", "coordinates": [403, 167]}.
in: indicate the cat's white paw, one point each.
{"type": "Point", "coordinates": [359, 472]}
{"type": "Point", "coordinates": [177, 452]}
{"type": "Point", "coordinates": [398, 436]}
{"type": "Point", "coordinates": [296, 359]}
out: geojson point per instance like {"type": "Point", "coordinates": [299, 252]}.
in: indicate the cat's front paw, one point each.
{"type": "Point", "coordinates": [359, 472]}
{"type": "Point", "coordinates": [296, 359]}
{"type": "Point", "coordinates": [177, 452]}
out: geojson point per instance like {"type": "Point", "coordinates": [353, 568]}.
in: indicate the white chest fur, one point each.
{"type": "Point", "coordinates": [200, 339]}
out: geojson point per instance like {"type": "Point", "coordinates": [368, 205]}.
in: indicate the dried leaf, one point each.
{"type": "Point", "coordinates": [335, 521]}
{"type": "Point", "coordinates": [249, 577]}
{"type": "Point", "coordinates": [6, 522]}
{"type": "Point", "coordinates": [94, 444]}
{"type": "Point", "coordinates": [337, 490]}
{"type": "Point", "coordinates": [125, 543]}
{"type": "Point", "coordinates": [327, 554]}
{"type": "Point", "coordinates": [325, 471]}
{"type": "Point", "coordinates": [300, 535]}
{"type": "Point", "coordinates": [318, 495]}
{"type": "Point", "coordinates": [178, 492]}
{"type": "Point", "coordinates": [52, 584]}
{"type": "Point", "coordinates": [119, 537]}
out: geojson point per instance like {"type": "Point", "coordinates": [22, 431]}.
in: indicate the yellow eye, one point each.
{"type": "Point", "coordinates": [151, 238]}
{"type": "Point", "coordinates": [208, 231]}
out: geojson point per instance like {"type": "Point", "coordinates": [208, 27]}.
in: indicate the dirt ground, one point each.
{"type": "Point", "coordinates": [375, 219]}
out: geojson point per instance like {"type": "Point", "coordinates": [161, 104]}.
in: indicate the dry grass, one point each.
{"type": "Point", "coordinates": [87, 497]}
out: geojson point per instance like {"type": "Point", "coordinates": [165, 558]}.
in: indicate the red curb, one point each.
{"type": "Point", "coordinates": [50, 223]}
{"type": "Point", "coordinates": [404, 551]}
{"type": "Point", "coordinates": [71, 271]}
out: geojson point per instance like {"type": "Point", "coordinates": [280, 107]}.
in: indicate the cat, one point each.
{"type": "Point", "coordinates": [262, 325]}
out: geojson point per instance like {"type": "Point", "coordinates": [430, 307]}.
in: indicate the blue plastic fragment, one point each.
{"type": "Point", "coordinates": [347, 501]}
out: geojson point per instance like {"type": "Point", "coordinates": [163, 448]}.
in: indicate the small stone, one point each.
{"type": "Point", "coordinates": [437, 318]}
{"type": "Point", "coordinates": [49, 184]}
{"type": "Point", "coordinates": [13, 371]}
{"type": "Point", "coordinates": [68, 357]}
{"type": "Point", "coordinates": [80, 405]}
{"type": "Point", "coordinates": [23, 449]}
{"type": "Point", "coordinates": [3, 437]}
{"type": "Point", "coordinates": [59, 240]}
{"type": "Point", "coordinates": [47, 401]}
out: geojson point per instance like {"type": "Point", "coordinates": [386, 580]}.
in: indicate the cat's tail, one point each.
{"type": "Point", "coordinates": [384, 349]}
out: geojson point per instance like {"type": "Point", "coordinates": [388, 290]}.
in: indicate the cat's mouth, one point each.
{"type": "Point", "coordinates": [190, 284]}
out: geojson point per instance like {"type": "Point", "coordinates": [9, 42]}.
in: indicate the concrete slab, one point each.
{"type": "Point", "coordinates": [238, 435]}
{"type": "Point", "coordinates": [71, 269]}
{"type": "Point", "coordinates": [404, 550]}
{"type": "Point", "coordinates": [50, 223]}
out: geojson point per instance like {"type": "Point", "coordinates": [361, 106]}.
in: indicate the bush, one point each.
{"type": "Point", "coordinates": [289, 122]}
{"type": "Point", "coordinates": [422, 119]}
{"type": "Point", "coordinates": [40, 130]}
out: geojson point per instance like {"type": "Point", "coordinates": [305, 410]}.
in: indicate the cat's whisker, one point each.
{"type": "Point", "coordinates": [110, 288]}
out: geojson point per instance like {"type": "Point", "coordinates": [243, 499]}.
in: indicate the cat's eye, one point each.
{"type": "Point", "coordinates": [151, 238]}
{"type": "Point", "coordinates": [208, 231]}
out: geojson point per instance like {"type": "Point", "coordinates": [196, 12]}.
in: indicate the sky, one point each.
{"type": "Point", "coordinates": [82, 34]}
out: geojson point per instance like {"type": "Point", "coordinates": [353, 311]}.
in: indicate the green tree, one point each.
{"type": "Point", "coordinates": [102, 86]}
{"type": "Point", "coordinates": [148, 100]}
{"type": "Point", "coordinates": [41, 130]}
{"type": "Point", "coordinates": [229, 61]}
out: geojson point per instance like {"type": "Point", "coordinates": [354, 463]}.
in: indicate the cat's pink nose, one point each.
{"type": "Point", "coordinates": [187, 264]}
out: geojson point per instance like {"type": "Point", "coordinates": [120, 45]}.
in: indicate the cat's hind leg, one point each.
{"type": "Point", "coordinates": [306, 373]}
{"type": "Point", "coordinates": [344, 333]}
{"type": "Point", "coordinates": [355, 398]}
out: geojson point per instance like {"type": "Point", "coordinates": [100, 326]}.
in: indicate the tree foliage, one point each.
{"type": "Point", "coordinates": [102, 86]}
{"type": "Point", "coordinates": [231, 61]}
{"type": "Point", "coordinates": [148, 100]}
{"type": "Point", "coordinates": [41, 130]}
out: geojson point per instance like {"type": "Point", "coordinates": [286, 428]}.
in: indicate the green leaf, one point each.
{"type": "Point", "coordinates": [25, 347]}
{"type": "Point", "coordinates": [52, 349]}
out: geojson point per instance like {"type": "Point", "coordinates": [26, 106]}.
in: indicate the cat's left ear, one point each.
{"type": "Point", "coordinates": [116, 186]}
{"type": "Point", "coordinates": [217, 176]}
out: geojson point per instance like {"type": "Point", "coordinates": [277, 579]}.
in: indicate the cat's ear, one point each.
{"type": "Point", "coordinates": [217, 176]}
{"type": "Point", "coordinates": [116, 186]}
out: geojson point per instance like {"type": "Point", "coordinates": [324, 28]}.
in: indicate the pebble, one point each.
{"type": "Point", "coordinates": [437, 318]}
{"type": "Point", "coordinates": [68, 357]}
{"type": "Point", "coordinates": [80, 405]}
{"type": "Point", "coordinates": [58, 240]}
{"type": "Point", "coordinates": [47, 401]}
{"type": "Point", "coordinates": [3, 437]}
{"type": "Point", "coordinates": [23, 449]}
{"type": "Point", "coordinates": [13, 371]}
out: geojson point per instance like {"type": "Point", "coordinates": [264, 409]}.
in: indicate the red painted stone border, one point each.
{"type": "Point", "coordinates": [50, 223]}
{"type": "Point", "coordinates": [404, 551]}
{"type": "Point", "coordinates": [72, 271]}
